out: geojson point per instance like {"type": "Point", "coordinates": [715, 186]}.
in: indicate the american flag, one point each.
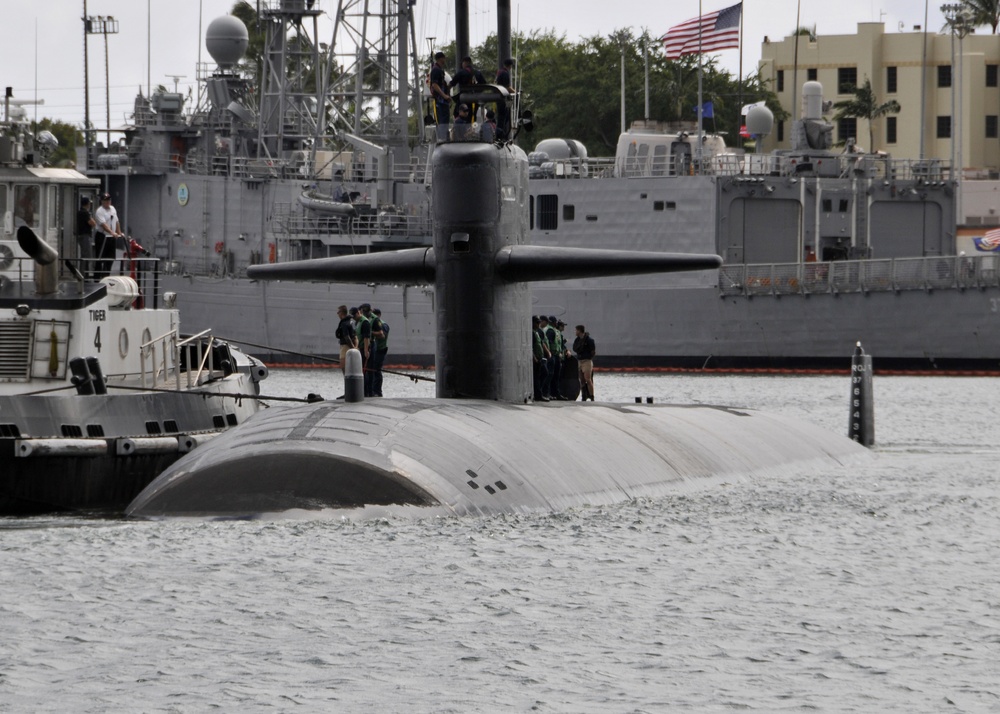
{"type": "Point", "coordinates": [719, 30]}
{"type": "Point", "coordinates": [989, 242]}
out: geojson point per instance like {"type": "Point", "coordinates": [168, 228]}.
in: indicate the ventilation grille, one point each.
{"type": "Point", "coordinates": [15, 348]}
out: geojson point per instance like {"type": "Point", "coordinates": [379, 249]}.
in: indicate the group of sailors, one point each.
{"type": "Point", "coordinates": [362, 328]}
{"type": "Point", "coordinates": [551, 354]}
{"type": "Point", "coordinates": [491, 124]}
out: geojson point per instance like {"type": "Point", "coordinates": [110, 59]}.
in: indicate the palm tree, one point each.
{"type": "Point", "coordinates": [865, 105]}
{"type": "Point", "coordinates": [983, 12]}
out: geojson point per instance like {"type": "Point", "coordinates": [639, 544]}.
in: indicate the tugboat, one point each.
{"type": "Point", "coordinates": [99, 390]}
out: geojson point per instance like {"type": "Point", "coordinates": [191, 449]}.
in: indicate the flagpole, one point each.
{"type": "Point", "coordinates": [923, 87]}
{"type": "Point", "coordinates": [621, 41]}
{"type": "Point", "coordinates": [700, 107]}
{"type": "Point", "coordinates": [739, 103]}
{"type": "Point", "coordinates": [795, 69]}
{"type": "Point", "coordinates": [645, 53]}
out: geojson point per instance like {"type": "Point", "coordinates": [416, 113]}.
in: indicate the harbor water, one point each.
{"type": "Point", "coordinates": [863, 589]}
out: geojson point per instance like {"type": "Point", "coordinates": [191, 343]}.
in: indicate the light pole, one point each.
{"type": "Point", "coordinates": [98, 25]}
{"type": "Point", "coordinates": [957, 17]}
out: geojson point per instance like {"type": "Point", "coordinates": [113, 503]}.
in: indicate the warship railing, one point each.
{"type": "Point", "coordinates": [385, 223]}
{"type": "Point", "coordinates": [873, 166]}
{"type": "Point", "coordinates": [861, 276]}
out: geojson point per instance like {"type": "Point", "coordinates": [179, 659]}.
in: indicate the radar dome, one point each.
{"type": "Point", "coordinates": [226, 40]}
{"type": "Point", "coordinates": [561, 149]}
{"type": "Point", "coordinates": [760, 120]}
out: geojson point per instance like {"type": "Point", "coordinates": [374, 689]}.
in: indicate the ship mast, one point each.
{"type": "Point", "coordinates": [358, 86]}
{"type": "Point", "coordinates": [371, 89]}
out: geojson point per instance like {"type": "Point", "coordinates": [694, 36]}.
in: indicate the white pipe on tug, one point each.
{"type": "Point", "coordinates": [25, 448]}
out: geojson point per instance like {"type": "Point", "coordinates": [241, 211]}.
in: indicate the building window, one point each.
{"type": "Point", "coordinates": [847, 80]}
{"type": "Point", "coordinates": [811, 74]}
{"type": "Point", "coordinates": [944, 127]}
{"type": "Point", "coordinates": [890, 80]}
{"type": "Point", "coordinates": [944, 75]}
{"type": "Point", "coordinates": [781, 80]}
{"type": "Point", "coordinates": [847, 129]}
{"type": "Point", "coordinates": [991, 126]}
{"type": "Point", "coordinates": [781, 131]}
{"type": "Point", "coordinates": [890, 130]}
{"type": "Point", "coordinates": [991, 75]}
{"type": "Point", "coordinates": [569, 212]}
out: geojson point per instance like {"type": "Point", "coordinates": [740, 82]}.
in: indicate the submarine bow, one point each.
{"type": "Point", "coordinates": [467, 457]}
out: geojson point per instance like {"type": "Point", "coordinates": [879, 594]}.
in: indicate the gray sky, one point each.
{"type": "Point", "coordinates": [43, 46]}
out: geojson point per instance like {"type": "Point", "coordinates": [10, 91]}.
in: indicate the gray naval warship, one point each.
{"type": "Point", "coordinates": [821, 249]}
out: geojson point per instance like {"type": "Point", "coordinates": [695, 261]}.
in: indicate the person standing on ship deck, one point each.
{"type": "Point", "coordinates": [106, 238]}
{"type": "Point", "coordinates": [465, 79]}
{"type": "Point", "coordinates": [345, 335]}
{"type": "Point", "coordinates": [380, 333]}
{"type": "Point", "coordinates": [503, 111]}
{"type": "Point", "coordinates": [364, 333]}
{"type": "Point", "coordinates": [538, 359]}
{"type": "Point", "coordinates": [85, 225]}
{"type": "Point", "coordinates": [439, 93]}
{"type": "Point", "coordinates": [374, 332]}
{"type": "Point", "coordinates": [585, 350]}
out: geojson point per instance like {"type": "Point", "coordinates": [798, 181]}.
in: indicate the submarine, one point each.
{"type": "Point", "coordinates": [482, 445]}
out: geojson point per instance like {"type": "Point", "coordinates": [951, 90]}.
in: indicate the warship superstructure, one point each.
{"type": "Point", "coordinates": [330, 157]}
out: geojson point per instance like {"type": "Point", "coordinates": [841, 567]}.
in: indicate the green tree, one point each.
{"type": "Point", "coordinates": [68, 136]}
{"type": "Point", "coordinates": [253, 60]}
{"type": "Point", "coordinates": [574, 89]}
{"type": "Point", "coordinates": [865, 105]}
{"type": "Point", "coordinates": [983, 12]}
{"type": "Point", "coordinates": [807, 31]}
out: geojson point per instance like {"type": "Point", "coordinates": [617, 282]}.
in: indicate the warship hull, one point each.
{"type": "Point", "coordinates": [932, 330]}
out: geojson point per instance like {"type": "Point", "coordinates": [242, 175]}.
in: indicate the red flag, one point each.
{"type": "Point", "coordinates": [717, 30]}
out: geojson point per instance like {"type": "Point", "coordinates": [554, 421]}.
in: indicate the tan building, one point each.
{"type": "Point", "coordinates": [894, 63]}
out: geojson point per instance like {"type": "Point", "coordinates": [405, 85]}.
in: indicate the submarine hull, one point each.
{"type": "Point", "coordinates": [480, 457]}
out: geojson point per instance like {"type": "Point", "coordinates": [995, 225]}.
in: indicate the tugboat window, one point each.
{"type": "Point", "coordinates": [25, 205]}
{"type": "Point", "coordinates": [53, 209]}
{"type": "Point", "coordinates": [568, 212]}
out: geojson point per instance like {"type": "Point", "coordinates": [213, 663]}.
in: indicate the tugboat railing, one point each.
{"type": "Point", "coordinates": [169, 365]}
{"type": "Point", "coordinates": [953, 272]}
